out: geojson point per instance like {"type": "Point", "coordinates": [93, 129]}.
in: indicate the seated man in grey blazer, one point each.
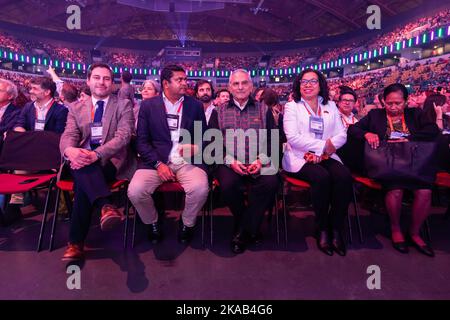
{"type": "Point", "coordinates": [96, 143]}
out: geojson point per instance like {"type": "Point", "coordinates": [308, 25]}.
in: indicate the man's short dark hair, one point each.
{"type": "Point", "coordinates": [99, 65]}
{"type": "Point", "coordinates": [347, 90]}
{"type": "Point", "coordinates": [222, 90]}
{"type": "Point", "coordinates": [85, 89]}
{"type": "Point", "coordinates": [70, 93]}
{"type": "Point", "coordinates": [45, 84]}
{"type": "Point", "coordinates": [202, 82]}
{"type": "Point", "coordinates": [126, 76]}
{"type": "Point", "coordinates": [167, 72]}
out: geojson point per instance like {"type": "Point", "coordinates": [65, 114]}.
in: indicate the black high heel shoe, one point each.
{"type": "Point", "coordinates": [401, 246]}
{"type": "Point", "coordinates": [425, 249]}
{"type": "Point", "coordinates": [323, 243]}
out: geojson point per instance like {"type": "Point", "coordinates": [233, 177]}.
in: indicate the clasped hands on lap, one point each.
{"type": "Point", "coordinates": [80, 157]}
{"type": "Point", "coordinates": [328, 150]}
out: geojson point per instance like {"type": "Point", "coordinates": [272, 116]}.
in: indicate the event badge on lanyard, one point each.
{"type": "Point", "coordinates": [173, 120]}
{"type": "Point", "coordinates": [39, 124]}
{"type": "Point", "coordinates": [315, 121]}
{"type": "Point", "coordinates": [396, 134]}
{"type": "Point", "coordinates": [96, 130]}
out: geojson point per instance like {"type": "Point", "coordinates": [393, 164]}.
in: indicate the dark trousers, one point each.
{"type": "Point", "coordinates": [90, 187]}
{"type": "Point", "coordinates": [331, 186]}
{"type": "Point", "coordinates": [261, 193]}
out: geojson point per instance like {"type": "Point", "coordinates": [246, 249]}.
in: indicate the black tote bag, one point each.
{"type": "Point", "coordinates": [410, 162]}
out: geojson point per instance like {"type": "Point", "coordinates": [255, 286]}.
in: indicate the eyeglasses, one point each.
{"type": "Point", "coordinates": [313, 82]}
{"type": "Point", "coordinates": [348, 100]}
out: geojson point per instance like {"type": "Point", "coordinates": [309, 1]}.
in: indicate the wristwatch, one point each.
{"type": "Point", "coordinates": [99, 157]}
{"type": "Point", "coordinates": [157, 164]}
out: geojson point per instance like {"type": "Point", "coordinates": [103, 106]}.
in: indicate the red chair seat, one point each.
{"type": "Point", "coordinates": [13, 183]}
{"type": "Point", "coordinates": [296, 182]}
{"type": "Point", "coordinates": [67, 185]}
{"type": "Point", "coordinates": [370, 183]}
{"type": "Point", "coordinates": [443, 179]}
{"type": "Point", "coordinates": [170, 187]}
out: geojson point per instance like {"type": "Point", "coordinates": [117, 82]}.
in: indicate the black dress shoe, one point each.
{"type": "Point", "coordinates": [401, 246]}
{"type": "Point", "coordinates": [425, 249]}
{"type": "Point", "coordinates": [323, 243]}
{"type": "Point", "coordinates": [255, 239]}
{"type": "Point", "coordinates": [338, 244]}
{"type": "Point", "coordinates": [185, 233]}
{"type": "Point", "coordinates": [154, 233]}
{"type": "Point", "coordinates": [238, 244]}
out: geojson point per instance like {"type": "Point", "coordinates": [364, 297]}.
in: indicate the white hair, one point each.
{"type": "Point", "coordinates": [11, 88]}
{"type": "Point", "coordinates": [155, 85]}
{"type": "Point", "coordinates": [240, 71]}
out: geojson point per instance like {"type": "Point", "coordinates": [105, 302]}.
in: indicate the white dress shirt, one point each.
{"type": "Point", "coordinates": [347, 121]}
{"type": "Point", "coordinates": [240, 106]}
{"type": "Point", "coordinates": [299, 138]}
{"type": "Point", "coordinates": [208, 112]}
{"type": "Point", "coordinates": [3, 110]}
{"type": "Point", "coordinates": [172, 108]}
{"type": "Point", "coordinates": [42, 111]}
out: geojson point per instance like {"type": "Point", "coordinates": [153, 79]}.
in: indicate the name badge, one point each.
{"type": "Point", "coordinates": [172, 121]}
{"type": "Point", "coordinates": [316, 125]}
{"type": "Point", "coordinates": [39, 125]}
{"type": "Point", "coordinates": [397, 135]}
{"type": "Point", "coordinates": [96, 132]}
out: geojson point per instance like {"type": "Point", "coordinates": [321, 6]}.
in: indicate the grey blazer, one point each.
{"type": "Point", "coordinates": [118, 126]}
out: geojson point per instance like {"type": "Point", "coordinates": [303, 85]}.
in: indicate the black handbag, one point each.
{"type": "Point", "coordinates": [408, 162]}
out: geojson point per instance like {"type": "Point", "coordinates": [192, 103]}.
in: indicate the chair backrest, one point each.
{"type": "Point", "coordinates": [30, 151]}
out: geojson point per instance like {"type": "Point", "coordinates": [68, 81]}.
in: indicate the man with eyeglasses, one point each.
{"type": "Point", "coordinates": [163, 122]}
{"type": "Point", "coordinates": [346, 104]}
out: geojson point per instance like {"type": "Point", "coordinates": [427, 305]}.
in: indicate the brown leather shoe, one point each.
{"type": "Point", "coordinates": [73, 252]}
{"type": "Point", "coordinates": [111, 217]}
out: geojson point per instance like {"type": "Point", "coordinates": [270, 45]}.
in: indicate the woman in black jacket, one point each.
{"type": "Point", "coordinates": [398, 124]}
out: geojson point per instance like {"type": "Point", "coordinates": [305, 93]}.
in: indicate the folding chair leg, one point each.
{"type": "Point", "coordinates": [55, 219]}
{"type": "Point", "coordinates": [358, 221]}
{"type": "Point", "coordinates": [350, 231]}
{"type": "Point", "coordinates": [44, 218]}
{"type": "Point", "coordinates": [277, 221]}
{"type": "Point", "coordinates": [285, 213]}
{"type": "Point", "coordinates": [211, 208]}
{"type": "Point", "coordinates": [133, 237]}
{"type": "Point", "coordinates": [127, 215]}
{"type": "Point", "coordinates": [203, 224]}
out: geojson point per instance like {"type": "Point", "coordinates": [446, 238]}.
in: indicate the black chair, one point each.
{"type": "Point", "coordinates": [37, 153]}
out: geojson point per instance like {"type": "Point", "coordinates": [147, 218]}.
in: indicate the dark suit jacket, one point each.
{"type": "Point", "coordinates": [376, 122]}
{"type": "Point", "coordinates": [55, 119]}
{"type": "Point", "coordinates": [9, 119]}
{"type": "Point", "coordinates": [153, 134]}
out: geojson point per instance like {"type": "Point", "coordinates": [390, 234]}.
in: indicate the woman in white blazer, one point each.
{"type": "Point", "coordinates": [314, 131]}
